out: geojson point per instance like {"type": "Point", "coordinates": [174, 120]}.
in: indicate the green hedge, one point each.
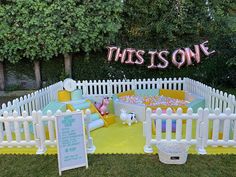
{"type": "Point", "coordinates": [159, 25]}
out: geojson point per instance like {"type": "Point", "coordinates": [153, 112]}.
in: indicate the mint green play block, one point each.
{"type": "Point", "coordinates": [94, 117]}
{"type": "Point", "coordinates": [76, 94]}
{"type": "Point", "coordinates": [81, 106]}
{"type": "Point", "coordinates": [54, 106]}
{"type": "Point", "coordinates": [197, 104]}
{"type": "Point", "coordinates": [147, 92]}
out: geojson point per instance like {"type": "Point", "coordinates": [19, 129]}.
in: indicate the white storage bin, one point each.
{"type": "Point", "coordinates": [172, 152]}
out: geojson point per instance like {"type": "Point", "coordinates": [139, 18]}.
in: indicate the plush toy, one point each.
{"type": "Point", "coordinates": [128, 118]}
{"type": "Point", "coordinates": [102, 107]}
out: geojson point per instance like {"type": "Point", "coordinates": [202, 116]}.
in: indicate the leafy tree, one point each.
{"type": "Point", "coordinates": [28, 32]}
{"type": "Point", "coordinates": [88, 27]}
{"type": "Point", "coordinates": [38, 30]}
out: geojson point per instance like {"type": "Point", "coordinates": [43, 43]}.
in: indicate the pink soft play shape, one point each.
{"type": "Point", "coordinates": [102, 108]}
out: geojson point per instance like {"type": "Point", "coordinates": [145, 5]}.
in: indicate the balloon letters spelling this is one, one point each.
{"type": "Point", "coordinates": [179, 58]}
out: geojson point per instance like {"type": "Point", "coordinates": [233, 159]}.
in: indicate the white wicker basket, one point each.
{"type": "Point", "coordinates": [172, 152]}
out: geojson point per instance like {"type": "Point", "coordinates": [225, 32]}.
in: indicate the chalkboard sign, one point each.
{"type": "Point", "coordinates": [71, 145]}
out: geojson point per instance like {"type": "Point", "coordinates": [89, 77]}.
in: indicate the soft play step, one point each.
{"type": "Point", "coordinates": [81, 106]}
{"type": "Point", "coordinates": [95, 124]}
{"type": "Point", "coordinates": [94, 116]}
{"type": "Point", "coordinates": [54, 106]}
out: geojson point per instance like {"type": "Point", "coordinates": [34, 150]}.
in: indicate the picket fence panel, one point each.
{"type": "Point", "coordinates": [202, 138]}
{"type": "Point", "coordinates": [34, 101]}
{"type": "Point", "coordinates": [214, 98]}
{"type": "Point", "coordinates": [31, 130]}
{"type": "Point", "coordinates": [110, 87]}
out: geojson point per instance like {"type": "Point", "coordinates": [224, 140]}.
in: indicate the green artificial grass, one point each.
{"type": "Point", "coordinates": [119, 166]}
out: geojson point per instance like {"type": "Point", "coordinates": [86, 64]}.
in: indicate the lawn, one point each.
{"type": "Point", "coordinates": [119, 165]}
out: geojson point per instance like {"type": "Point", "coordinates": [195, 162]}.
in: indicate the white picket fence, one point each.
{"type": "Point", "coordinates": [34, 130]}
{"type": "Point", "coordinates": [213, 98]}
{"type": "Point", "coordinates": [22, 110]}
{"type": "Point", "coordinates": [34, 101]}
{"type": "Point", "coordinates": [39, 99]}
{"type": "Point", "coordinates": [109, 87]}
{"type": "Point", "coordinates": [203, 136]}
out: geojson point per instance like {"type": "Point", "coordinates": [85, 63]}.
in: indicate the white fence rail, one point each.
{"type": "Point", "coordinates": [203, 137]}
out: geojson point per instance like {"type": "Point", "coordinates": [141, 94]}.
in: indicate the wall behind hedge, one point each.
{"type": "Point", "coordinates": [211, 71]}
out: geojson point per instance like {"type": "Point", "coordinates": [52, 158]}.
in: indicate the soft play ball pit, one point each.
{"type": "Point", "coordinates": [137, 101]}
{"type": "Point", "coordinates": [154, 101]}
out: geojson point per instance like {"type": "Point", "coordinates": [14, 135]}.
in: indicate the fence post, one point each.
{"type": "Point", "coordinates": [50, 127]}
{"type": "Point", "coordinates": [41, 134]}
{"type": "Point", "coordinates": [7, 127]}
{"type": "Point", "coordinates": [90, 146]}
{"type": "Point", "coordinates": [205, 127]}
{"type": "Point", "coordinates": [148, 128]}
{"type": "Point", "coordinates": [84, 88]}
{"type": "Point", "coordinates": [201, 130]}
{"type": "Point", "coordinates": [226, 128]}
{"type": "Point", "coordinates": [35, 129]}
{"type": "Point", "coordinates": [185, 87]}
{"type": "Point", "coordinates": [1, 134]}
{"type": "Point", "coordinates": [109, 88]}
{"type": "Point", "coordinates": [133, 84]}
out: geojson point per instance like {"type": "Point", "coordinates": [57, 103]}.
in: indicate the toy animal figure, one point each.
{"type": "Point", "coordinates": [128, 118]}
{"type": "Point", "coordinates": [102, 107]}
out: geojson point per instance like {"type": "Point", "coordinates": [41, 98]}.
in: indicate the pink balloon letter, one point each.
{"type": "Point", "coordinates": [152, 53]}
{"type": "Point", "coordinates": [164, 61]}
{"type": "Point", "coordinates": [130, 56]}
{"type": "Point", "coordinates": [174, 58]}
{"type": "Point", "coordinates": [139, 55]}
{"type": "Point", "coordinates": [120, 55]}
{"type": "Point", "coordinates": [110, 52]}
{"type": "Point", "coordinates": [190, 54]}
{"type": "Point", "coordinates": [205, 49]}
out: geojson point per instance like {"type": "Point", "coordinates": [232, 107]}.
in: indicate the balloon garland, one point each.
{"type": "Point", "coordinates": [179, 57]}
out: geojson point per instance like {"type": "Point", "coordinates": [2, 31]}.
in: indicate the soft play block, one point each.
{"type": "Point", "coordinates": [94, 116]}
{"type": "Point", "coordinates": [70, 107]}
{"type": "Point", "coordinates": [95, 124]}
{"type": "Point", "coordinates": [76, 94]}
{"type": "Point", "coordinates": [63, 96]}
{"type": "Point", "coordinates": [147, 92]}
{"type": "Point", "coordinates": [109, 119]}
{"type": "Point", "coordinates": [191, 97]}
{"type": "Point", "coordinates": [81, 106]}
{"type": "Point", "coordinates": [54, 106]}
{"type": "Point", "coordinates": [176, 94]}
{"type": "Point", "coordinates": [126, 93]}
{"type": "Point", "coordinates": [196, 104]}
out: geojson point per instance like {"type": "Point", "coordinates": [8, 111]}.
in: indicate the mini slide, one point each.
{"type": "Point", "coordinates": [96, 120]}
